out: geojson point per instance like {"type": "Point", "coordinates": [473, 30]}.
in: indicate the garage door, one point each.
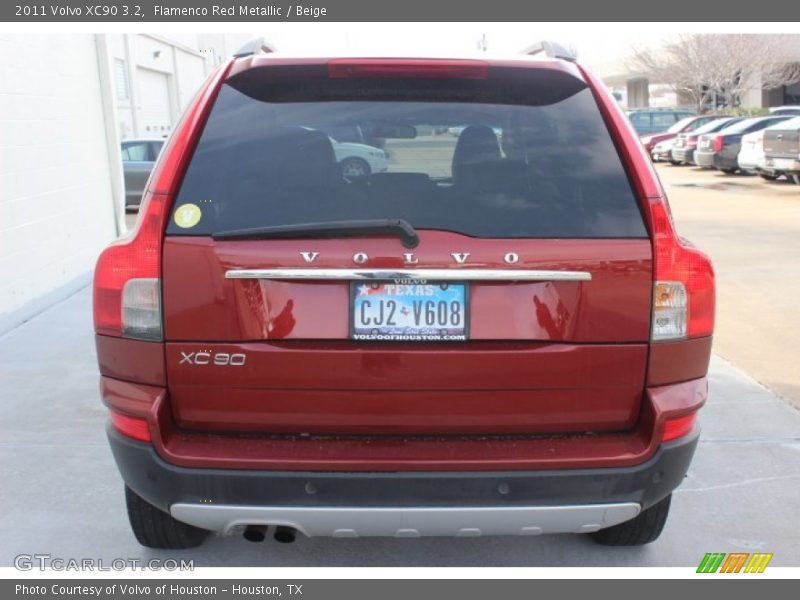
{"type": "Point", "coordinates": [154, 111]}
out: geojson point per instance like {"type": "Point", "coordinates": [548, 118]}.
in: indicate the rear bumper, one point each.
{"type": "Point", "coordinates": [659, 155]}
{"type": "Point", "coordinates": [704, 159]}
{"type": "Point", "coordinates": [683, 155]}
{"type": "Point", "coordinates": [404, 503]}
{"type": "Point", "coordinates": [782, 165]}
{"type": "Point", "coordinates": [747, 164]}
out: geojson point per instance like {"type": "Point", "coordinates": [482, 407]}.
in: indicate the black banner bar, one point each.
{"type": "Point", "coordinates": [144, 11]}
{"type": "Point", "coordinates": [343, 589]}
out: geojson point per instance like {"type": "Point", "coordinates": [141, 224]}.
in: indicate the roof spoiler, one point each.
{"type": "Point", "coordinates": [550, 49]}
{"type": "Point", "coordinates": [255, 46]}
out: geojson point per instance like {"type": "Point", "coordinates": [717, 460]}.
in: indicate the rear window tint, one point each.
{"type": "Point", "coordinates": [521, 154]}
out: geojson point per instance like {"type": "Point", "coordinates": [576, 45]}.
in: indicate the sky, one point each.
{"type": "Point", "coordinates": [597, 44]}
{"type": "Point", "coordinates": [594, 42]}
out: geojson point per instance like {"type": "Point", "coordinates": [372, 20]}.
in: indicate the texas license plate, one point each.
{"type": "Point", "coordinates": [425, 311]}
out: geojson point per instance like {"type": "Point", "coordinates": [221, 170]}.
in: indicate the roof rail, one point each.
{"type": "Point", "coordinates": [551, 49]}
{"type": "Point", "coordinates": [254, 47]}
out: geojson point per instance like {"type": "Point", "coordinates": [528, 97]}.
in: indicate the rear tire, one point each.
{"type": "Point", "coordinates": [768, 177]}
{"type": "Point", "coordinates": [645, 528]}
{"type": "Point", "coordinates": [729, 171]}
{"type": "Point", "coordinates": [156, 529]}
{"type": "Point", "coordinates": [674, 163]}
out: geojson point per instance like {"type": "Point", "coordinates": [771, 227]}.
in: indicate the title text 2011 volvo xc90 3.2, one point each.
{"type": "Point", "coordinates": [500, 333]}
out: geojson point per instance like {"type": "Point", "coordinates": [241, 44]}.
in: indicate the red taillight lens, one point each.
{"type": "Point", "coordinates": [719, 142]}
{"type": "Point", "coordinates": [691, 142]}
{"type": "Point", "coordinates": [684, 298]}
{"type": "Point", "coordinates": [439, 69]}
{"type": "Point", "coordinates": [137, 256]}
{"type": "Point", "coordinates": [678, 427]}
{"type": "Point", "coordinates": [131, 427]}
{"type": "Point", "coordinates": [127, 275]}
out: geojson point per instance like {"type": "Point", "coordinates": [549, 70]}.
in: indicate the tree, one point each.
{"type": "Point", "coordinates": [721, 66]}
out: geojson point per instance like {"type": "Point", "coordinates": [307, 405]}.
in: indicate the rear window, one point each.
{"type": "Point", "coordinates": [524, 153]}
{"type": "Point", "coordinates": [715, 125]}
{"type": "Point", "coordinates": [752, 125]}
{"type": "Point", "coordinates": [681, 125]}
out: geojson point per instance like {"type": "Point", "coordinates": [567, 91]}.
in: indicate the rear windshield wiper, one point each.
{"type": "Point", "coordinates": [328, 229]}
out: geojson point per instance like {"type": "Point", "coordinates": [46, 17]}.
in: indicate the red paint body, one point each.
{"type": "Point", "coordinates": [555, 375]}
{"type": "Point", "coordinates": [502, 381]}
{"type": "Point", "coordinates": [407, 453]}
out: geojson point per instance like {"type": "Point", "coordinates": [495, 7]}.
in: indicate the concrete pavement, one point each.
{"type": "Point", "coordinates": [61, 493]}
{"type": "Point", "coordinates": [751, 230]}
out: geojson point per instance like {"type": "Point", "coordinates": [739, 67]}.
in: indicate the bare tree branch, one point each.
{"type": "Point", "coordinates": [703, 66]}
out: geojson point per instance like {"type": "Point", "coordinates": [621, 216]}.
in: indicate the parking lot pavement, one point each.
{"type": "Point", "coordinates": [61, 494]}
{"type": "Point", "coordinates": [751, 230]}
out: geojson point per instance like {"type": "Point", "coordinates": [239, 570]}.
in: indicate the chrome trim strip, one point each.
{"type": "Point", "coordinates": [337, 521]}
{"type": "Point", "coordinates": [455, 274]}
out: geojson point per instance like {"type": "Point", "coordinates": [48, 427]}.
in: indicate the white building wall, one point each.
{"type": "Point", "coordinates": [163, 72]}
{"type": "Point", "coordinates": [56, 183]}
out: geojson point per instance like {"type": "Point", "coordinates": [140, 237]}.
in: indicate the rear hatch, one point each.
{"type": "Point", "coordinates": [488, 272]}
{"type": "Point", "coordinates": [782, 143]}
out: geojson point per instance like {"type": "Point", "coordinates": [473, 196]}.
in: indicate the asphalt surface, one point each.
{"type": "Point", "coordinates": [61, 493]}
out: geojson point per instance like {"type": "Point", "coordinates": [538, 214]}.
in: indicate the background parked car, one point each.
{"type": "Point", "coordinates": [356, 159]}
{"type": "Point", "coordinates": [686, 143]}
{"type": "Point", "coordinates": [785, 110]}
{"type": "Point", "coordinates": [782, 150]}
{"type": "Point", "coordinates": [353, 134]}
{"type": "Point", "coordinates": [654, 120]}
{"type": "Point", "coordinates": [751, 157]}
{"type": "Point", "coordinates": [721, 150]}
{"type": "Point", "coordinates": [663, 150]}
{"type": "Point", "coordinates": [684, 125]}
{"type": "Point", "coordinates": [359, 160]}
{"type": "Point", "coordinates": [138, 158]}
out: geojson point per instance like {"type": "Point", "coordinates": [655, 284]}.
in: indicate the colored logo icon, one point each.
{"type": "Point", "coordinates": [734, 562]}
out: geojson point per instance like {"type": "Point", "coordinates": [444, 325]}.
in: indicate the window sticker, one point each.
{"type": "Point", "coordinates": [188, 215]}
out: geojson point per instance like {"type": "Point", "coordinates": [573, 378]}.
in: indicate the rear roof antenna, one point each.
{"type": "Point", "coordinates": [255, 46]}
{"type": "Point", "coordinates": [551, 49]}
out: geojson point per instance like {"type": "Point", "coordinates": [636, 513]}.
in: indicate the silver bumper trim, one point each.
{"type": "Point", "coordinates": [412, 521]}
{"type": "Point", "coordinates": [415, 274]}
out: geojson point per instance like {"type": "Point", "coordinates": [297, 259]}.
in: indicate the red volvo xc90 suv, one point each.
{"type": "Point", "coordinates": [500, 333]}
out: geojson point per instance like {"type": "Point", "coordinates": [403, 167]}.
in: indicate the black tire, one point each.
{"type": "Point", "coordinates": [768, 177]}
{"type": "Point", "coordinates": [156, 529]}
{"type": "Point", "coordinates": [353, 166]}
{"type": "Point", "coordinates": [729, 171]}
{"type": "Point", "coordinates": [645, 528]}
{"type": "Point", "coordinates": [674, 163]}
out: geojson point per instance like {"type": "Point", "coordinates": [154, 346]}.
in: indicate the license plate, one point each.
{"type": "Point", "coordinates": [425, 311]}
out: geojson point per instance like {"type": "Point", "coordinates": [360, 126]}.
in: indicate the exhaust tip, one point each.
{"type": "Point", "coordinates": [285, 535]}
{"type": "Point", "coordinates": [255, 533]}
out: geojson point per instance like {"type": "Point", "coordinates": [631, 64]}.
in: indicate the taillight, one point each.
{"type": "Point", "coordinates": [401, 67]}
{"type": "Point", "coordinates": [127, 300]}
{"type": "Point", "coordinates": [132, 427]}
{"type": "Point", "coordinates": [678, 427]}
{"type": "Point", "coordinates": [127, 277]}
{"type": "Point", "coordinates": [719, 142]}
{"type": "Point", "coordinates": [691, 142]}
{"type": "Point", "coordinates": [683, 294]}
